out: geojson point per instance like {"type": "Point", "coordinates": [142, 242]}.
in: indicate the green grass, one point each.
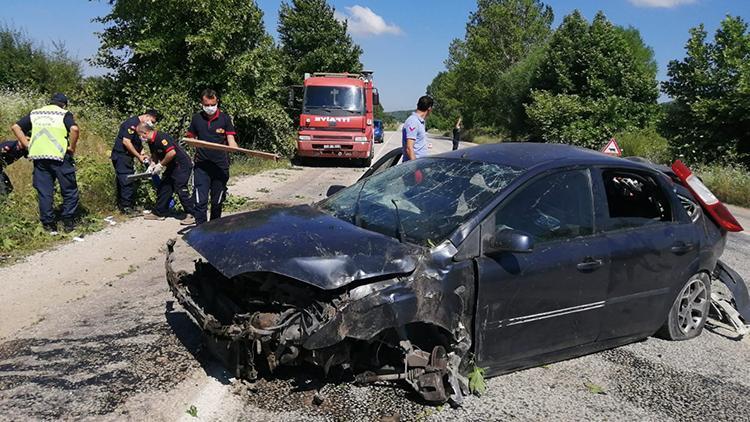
{"type": "Point", "coordinates": [730, 183]}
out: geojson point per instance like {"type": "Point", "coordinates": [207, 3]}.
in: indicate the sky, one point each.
{"type": "Point", "coordinates": [405, 42]}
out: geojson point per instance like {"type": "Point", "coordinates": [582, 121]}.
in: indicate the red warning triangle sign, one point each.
{"type": "Point", "coordinates": [612, 148]}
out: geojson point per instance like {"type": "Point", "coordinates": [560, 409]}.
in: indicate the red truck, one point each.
{"type": "Point", "coordinates": [337, 117]}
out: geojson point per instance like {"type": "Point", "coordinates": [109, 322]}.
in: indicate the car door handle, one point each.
{"type": "Point", "coordinates": [681, 248]}
{"type": "Point", "coordinates": [589, 264]}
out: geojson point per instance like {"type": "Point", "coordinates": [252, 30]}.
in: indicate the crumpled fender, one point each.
{"type": "Point", "coordinates": [737, 286]}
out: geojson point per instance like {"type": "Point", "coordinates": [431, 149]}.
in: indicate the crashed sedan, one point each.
{"type": "Point", "coordinates": [499, 257]}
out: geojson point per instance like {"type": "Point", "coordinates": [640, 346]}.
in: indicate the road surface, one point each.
{"type": "Point", "coordinates": [89, 330]}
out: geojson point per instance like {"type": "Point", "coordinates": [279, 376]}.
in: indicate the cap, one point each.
{"type": "Point", "coordinates": [60, 98]}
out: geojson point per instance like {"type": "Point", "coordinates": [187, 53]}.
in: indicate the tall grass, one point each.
{"type": "Point", "coordinates": [730, 183]}
{"type": "Point", "coordinates": [20, 231]}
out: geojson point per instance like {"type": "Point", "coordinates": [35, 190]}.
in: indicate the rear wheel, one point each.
{"type": "Point", "coordinates": [689, 312]}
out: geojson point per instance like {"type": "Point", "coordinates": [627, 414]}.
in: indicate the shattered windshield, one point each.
{"type": "Point", "coordinates": [423, 201]}
{"type": "Point", "coordinates": [347, 98]}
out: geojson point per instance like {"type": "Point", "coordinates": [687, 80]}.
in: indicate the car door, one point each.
{"type": "Point", "coordinates": [652, 251]}
{"type": "Point", "coordinates": [530, 304]}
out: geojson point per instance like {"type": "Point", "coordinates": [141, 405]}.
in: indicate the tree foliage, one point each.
{"type": "Point", "coordinates": [312, 40]}
{"type": "Point", "coordinates": [487, 70]}
{"type": "Point", "coordinates": [164, 55]}
{"type": "Point", "coordinates": [595, 80]}
{"type": "Point", "coordinates": [709, 119]}
{"type": "Point", "coordinates": [34, 68]}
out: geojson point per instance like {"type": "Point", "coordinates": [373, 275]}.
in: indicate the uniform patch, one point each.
{"type": "Point", "coordinates": [164, 142]}
{"type": "Point", "coordinates": [220, 130]}
{"type": "Point", "coordinates": [130, 131]}
{"type": "Point", "coordinates": [411, 129]}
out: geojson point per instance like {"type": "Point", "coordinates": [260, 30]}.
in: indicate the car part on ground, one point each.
{"type": "Point", "coordinates": [730, 303]}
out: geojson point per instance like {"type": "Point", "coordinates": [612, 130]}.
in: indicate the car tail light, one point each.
{"type": "Point", "coordinates": [708, 200]}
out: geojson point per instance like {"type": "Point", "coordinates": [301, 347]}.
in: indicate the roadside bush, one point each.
{"type": "Point", "coordinates": [730, 183]}
{"type": "Point", "coordinates": [20, 231]}
{"type": "Point", "coordinates": [646, 143]}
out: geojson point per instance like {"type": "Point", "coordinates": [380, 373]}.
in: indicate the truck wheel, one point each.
{"type": "Point", "coordinates": [689, 312]}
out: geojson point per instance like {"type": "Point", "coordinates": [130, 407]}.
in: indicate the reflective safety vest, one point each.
{"type": "Point", "coordinates": [49, 137]}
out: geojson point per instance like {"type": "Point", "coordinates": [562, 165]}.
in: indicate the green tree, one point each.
{"type": "Point", "coordinates": [487, 70]}
{"type": "Point", "coordinates": [312, 40]}
{"type": "Point", "coordinates": [163, 56]}
{"type": "Point", "coordinates": [595, 80]}
{"type": "Point", "coordinates": [709, 119]}
{"type": "Point", "coordinates": [28, 66]}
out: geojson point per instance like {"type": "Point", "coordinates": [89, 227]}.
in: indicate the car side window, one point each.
{"type": "Point", "coordinates": [556, 207]}
{"type": "Point", "coordinates": [633, 200]}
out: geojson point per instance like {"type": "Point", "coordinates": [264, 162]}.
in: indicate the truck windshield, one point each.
{"type": "Point", "coordinates": [334, 98]}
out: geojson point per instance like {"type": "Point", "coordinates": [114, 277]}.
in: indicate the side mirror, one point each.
{"type": "Point", "coordinates": [293, 100]}
{"type": "Point", "coordinates": [333, 189]}
{"type": "Point", "coordinates": [375, 97]}
{"type": "Point", "coordinates": [509, 240]}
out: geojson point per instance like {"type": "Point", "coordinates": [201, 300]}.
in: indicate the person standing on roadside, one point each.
{"type": "Point", "coordinates": [173, 166]}
{"type": "Point", "coordinates": [211, 172]}
{"type": "Point", "coordinates": [413, 134]}
{"type": "Point", "coordinates": [128, 146]}
{"type": "Point", "coordinates": [457, 134]}
{"type": "Point", "coordinates": [53, 141]}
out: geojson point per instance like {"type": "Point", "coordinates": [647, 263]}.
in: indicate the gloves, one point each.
{"type": "Point", "coordinates": [157, 169]}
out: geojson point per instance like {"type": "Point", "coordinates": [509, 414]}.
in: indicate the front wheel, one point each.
{"type": "Point", "coordinates": [689, 312]}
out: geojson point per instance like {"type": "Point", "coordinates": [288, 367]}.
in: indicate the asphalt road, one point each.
{"type": "Point", "coordinates": [89, 331]}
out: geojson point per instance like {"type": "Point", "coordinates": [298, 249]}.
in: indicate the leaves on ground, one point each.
{"type": "Point", "coordinates": [594, 388]}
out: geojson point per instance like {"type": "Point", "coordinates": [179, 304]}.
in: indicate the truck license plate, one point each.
{"type": "Point", "coordinates": [331, 146]}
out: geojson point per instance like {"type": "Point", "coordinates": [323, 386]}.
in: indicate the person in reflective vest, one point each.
{"type": "Point", "coordinates": [51, 146]}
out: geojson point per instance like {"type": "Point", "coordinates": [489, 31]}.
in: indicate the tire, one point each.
{"type": "Point", "coordinates": [687, 315]}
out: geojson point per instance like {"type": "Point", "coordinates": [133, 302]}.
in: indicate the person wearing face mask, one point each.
{"type": "Point", "coordinates": [128, 146]}
{"type": "Point", "coordinates": [51, 145]}
{"type": "Point", "coordinates": [173, 166]}
{"type": "Point", "coordinates": [211, 172]}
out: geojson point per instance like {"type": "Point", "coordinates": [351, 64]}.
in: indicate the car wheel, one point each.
{"type": "Point", "coordinates": [689, 312]}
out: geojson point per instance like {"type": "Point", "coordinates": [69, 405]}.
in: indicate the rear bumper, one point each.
{"type": "Point", "coordinates": [333, 149]}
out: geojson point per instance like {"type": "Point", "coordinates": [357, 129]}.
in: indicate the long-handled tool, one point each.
{"type": "Point", "coordinates": [197, 143]}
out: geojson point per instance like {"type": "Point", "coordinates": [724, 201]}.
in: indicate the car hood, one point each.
{"type": "Point", "coordinates": [300, 242]}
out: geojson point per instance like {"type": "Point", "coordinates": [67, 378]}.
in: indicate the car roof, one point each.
{"type": "Point", "coordinates": [524, 155]}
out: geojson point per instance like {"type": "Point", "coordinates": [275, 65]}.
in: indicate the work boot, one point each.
{"type": "Point", "coordinates": [127, 211]}
{"type": "Point", "coordinates": [50, 228]}
{"type": "Point", "coordinates": [69, 225]}
{"type": "Point", "coordinates": [188, 221]}
{"type": "Point", "coordinates": [153, 216]}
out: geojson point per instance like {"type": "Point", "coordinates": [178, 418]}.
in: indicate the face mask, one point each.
{"type": "Point", "coordinates": [210, 109]}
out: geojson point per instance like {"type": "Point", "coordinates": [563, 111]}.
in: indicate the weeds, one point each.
{"type": "Point", "coordinates": [594, 388]}
{"type": "Point", "coordinates": [192, 411]}
{"type": "Point", "coordinates": [730, 183]}
{"type": "Point", "coordinates": [477, 384]}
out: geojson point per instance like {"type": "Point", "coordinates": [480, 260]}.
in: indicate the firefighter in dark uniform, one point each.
{"type": "Point", "coordinates": [53, 141]}
{"type": "Point", "coordinates": [211, 172]}
{"type": "Point", "coordinates": [172, 164]}
{"type": "Point", "coordinates": [10, 152]}
{"type": "Point", "coordinates": [127, 147]}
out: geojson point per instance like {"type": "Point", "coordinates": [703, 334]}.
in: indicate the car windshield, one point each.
{"type": "Point", "coordinates": [334, 98]}
{"type": "Point", "coordinates": [429, 197]}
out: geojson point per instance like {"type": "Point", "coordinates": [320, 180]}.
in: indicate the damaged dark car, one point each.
{"type": "Point", "coordinates": [500, 257]}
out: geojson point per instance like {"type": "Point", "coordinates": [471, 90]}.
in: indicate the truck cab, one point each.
{"type": "Point", "coordinates": [336, 119]}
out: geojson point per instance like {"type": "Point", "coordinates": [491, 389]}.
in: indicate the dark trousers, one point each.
{"type": "Point", "coordinates": [125, 187]}
{"type": "Point", "coordinates": [173, 180]}
{"type": "Point", "coordinates": [209, 182]}
{"type": "Point", "coordinates": [45, 174]}
{"type": "Point", "coordinates": [5, 186]}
